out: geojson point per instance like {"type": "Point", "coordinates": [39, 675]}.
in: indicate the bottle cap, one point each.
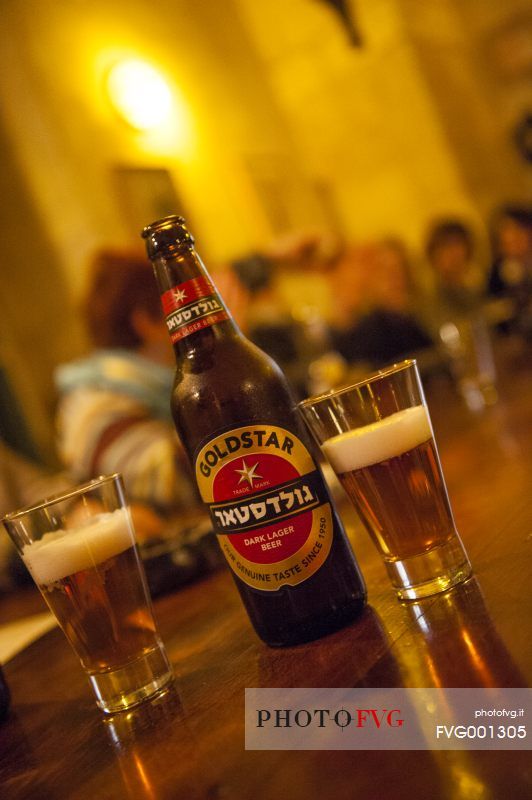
{"type": "Point", "coordinates": [167, 235]}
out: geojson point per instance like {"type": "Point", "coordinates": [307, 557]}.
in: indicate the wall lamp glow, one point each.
{"type": "Point", "coordinates": [139, 94]}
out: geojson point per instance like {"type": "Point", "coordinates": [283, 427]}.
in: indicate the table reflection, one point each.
{"type": "Point", "coordinates": [132, 734]}
{"type": "Point", "coordinates": [454, 643]}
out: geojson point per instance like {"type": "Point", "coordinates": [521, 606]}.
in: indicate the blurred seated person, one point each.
{"type": "Point", "coordinates": [513, 244]}
{"type": "Point", "coordinates": [22, 483]}
{"type": "Point", "coordinates": [459, 316]}
{"type": "Point", "coordinates": [113, 413]}
{"type": "Point", "coordinates": [267, 322]}
{"type": "Point", "coordinates": [511, 273]}
{"type": "Point", "coordinates": [450, 250]}
{"type": "Point", "coordinates": [385, 329]}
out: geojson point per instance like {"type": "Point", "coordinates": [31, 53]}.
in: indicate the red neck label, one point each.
{"type": "Point", "coordinates": [191, 306]}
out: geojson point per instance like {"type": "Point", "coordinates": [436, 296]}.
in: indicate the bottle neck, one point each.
{"type": "Point", "coordinates": [196, 316]}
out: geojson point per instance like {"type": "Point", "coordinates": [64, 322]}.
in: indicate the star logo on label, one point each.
{"type": "Point", "coordinates": [179, 295]}
{"type": "Point", "coordinates": [248, 473]}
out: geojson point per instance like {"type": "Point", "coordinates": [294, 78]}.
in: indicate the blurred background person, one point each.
{"type": "Point", "coordinates": [457, 311]}
{"type": "Point", "coordinates": [512, 266]}
{"type": "Point", "coordinates": [23, 482]}
{"type": "Point", "coordinates": [379, 322]}
{"type": "Point", "coordinates": [350, 281]}
{"type": "Point", "coordinates": [511, 272]}
{"type": "Point", "coordinates": [113, 413]}
{"type": "Point", "coordinates": [268, 322]}
{"type": "Point", "coordinates": [288, 301]}
{"type": "Point", "coordinates": [457, 279]}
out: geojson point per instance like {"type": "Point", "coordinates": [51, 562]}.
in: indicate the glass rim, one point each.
{"type": "Point", "coordinates": [61, 496]}
{"type": "Point", "coordinates": [372, 378]}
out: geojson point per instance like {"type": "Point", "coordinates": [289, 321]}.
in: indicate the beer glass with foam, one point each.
{"type": "Point", "coordinates": [81, 552]}
{"type": "Point", "coordinates": [378, 439]}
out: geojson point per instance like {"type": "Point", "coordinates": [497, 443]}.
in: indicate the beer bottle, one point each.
{"type": "Point", "coordinates": [251, 457]}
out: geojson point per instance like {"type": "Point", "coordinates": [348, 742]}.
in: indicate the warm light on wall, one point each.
{"type": "Point", "coordinates": [139, 94]}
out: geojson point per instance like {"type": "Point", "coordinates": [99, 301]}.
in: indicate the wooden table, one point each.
{"type": "Point", "coordinates": [190, 744]}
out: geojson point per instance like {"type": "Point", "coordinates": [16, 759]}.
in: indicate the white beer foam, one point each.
{"type": "Point", "coordinates": [64, 552]}
{"type": "Point", "coordinates": [378, 441]}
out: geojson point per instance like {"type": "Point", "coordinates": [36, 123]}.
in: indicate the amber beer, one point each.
{"type": "Point", "coordinates": [252, 459]}
{"type": "Point", "coordinates": [378, 439]}
{"type": "Point", "coordinates": [390, 470]}
{"type": "Point", "coordinates": [79, 547]}
{"type": "Point", "coordinates": [88, 578]}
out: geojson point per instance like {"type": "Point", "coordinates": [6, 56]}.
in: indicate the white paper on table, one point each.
{"type": "Point", "coordinates": [15, 636]}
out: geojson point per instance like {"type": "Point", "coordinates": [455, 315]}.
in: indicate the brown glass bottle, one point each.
{"type": "Point", "coordinates": [238, 422]}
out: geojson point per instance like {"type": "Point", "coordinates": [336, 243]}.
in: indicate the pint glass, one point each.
{"type": "Point", "coordinates": [378, 439]}
{"type": "Point", "coordinates": [80, 550]}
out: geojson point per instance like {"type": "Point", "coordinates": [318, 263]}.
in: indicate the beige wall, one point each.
{"type": "Point", "coordinates": [364, 120]}
{"type": "Point", "coordinates": [476, 59]}
{"type": "Point", "coordinates": [280, 124]}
